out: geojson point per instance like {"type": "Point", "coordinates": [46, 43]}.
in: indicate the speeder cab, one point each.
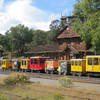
{"type": "Point", "coordinates": [37, 63]}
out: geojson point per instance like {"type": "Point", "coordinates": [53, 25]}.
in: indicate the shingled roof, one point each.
{"type": "Point", "coordinates": [55, 48]}
{"type": "Point", "coordinates": [68, 33]}
{"type": "Point", "coordinates": [44, 49]}
{"type": "Point", "coordinates": [76, 48]}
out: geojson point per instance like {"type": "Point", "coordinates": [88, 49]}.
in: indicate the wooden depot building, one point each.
{"type": "Point", "coordinates": [68, 45]}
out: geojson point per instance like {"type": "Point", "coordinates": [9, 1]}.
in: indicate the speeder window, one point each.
{"type": "Point", "coordinates": [96, 61]}
{"type": "Point", "coordinates": [89, 61]}
{"type": "Point", "coordinates": [80, 63]}
{"type": "Point", "coordinates": [31, 61]}
{"type": "Point", "coordinates": [4, 62]}
{"type": "Point", "coordinates": [36, 61]}
{"type": "Point", "coordinates": [72, 63]}
{"type": "Point", "coordinates": [25, 62]}
{"type": "Point", "coordinates": [75, 63]}
{"type": "Point", "coordinates": [22, 62]}
{"type": "Point", "coordinates": [42, 61]}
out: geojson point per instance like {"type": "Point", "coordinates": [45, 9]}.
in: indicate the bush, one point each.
{"type": "Point", "coordinates": [58, 96]}
{"type": "Point", "coordinates": [28, 98]}
{"type": "Point", "coordinates": [16, 78]}
{"type": "Point", "coordinates": [65, 82]}
{"type": "Point", "coordinates": [3, 97]}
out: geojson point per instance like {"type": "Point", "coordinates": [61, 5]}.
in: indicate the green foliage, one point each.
{"type": "Point", "coordinates": [55, 25]}
{"type": "Point", "coordinates": [96, 42]}
{"type": "Point", "coordinates": [65, 82]}
{"type": "Point", "coordinates": [39, 38]}
{"type": "Point", "coordinates": [3, 97]}
{"type": "Point", "coordinates": [20, 39]}
{"type": "Point", "coordinates": [17, 39]}
{"type": "Point", "coordinates": [16, 78]}
{"type": "Point", "coordinates": [4, 41]}
{"type": "Point", "coordinates": [87, 23]}
{"type": "Point", "coordinates": [58, 96]}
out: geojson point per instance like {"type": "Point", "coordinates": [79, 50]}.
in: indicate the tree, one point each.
{"type": "Point", "coordinates": [51, 36]}
{"type": "Point", "coordinates": [39, 38]}
{"type": "Point", "coordinates": [4, 41]}
{"type": "Point", "coordinates": [55, 28]}
{"type": "Point", "coordinates": [55, 25]}
{"type": "Point", "coordinates": [87, 23]}
{"type": "Point", "coordinates": [19, 36]}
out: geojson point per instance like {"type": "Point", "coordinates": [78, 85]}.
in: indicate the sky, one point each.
{"type": "Point", "coordinates": [36, 14]}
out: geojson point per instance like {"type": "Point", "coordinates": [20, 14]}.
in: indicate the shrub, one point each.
{"type": "Point", "coordinates": [28, 98]}
{"type": "Point", "coordinates": [65, 82]}
{"type": "Point", "coordinates": [3, 97]}
{"type": "Point", "coordinates": [16, 78]}
{"type": "Point", "coordinates": [58, 96]}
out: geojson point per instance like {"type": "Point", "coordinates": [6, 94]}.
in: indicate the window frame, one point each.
{"type": "Point", "coordinates": [72, 63]}
{"type": "Point", "coordinates": [4, 62]}
{"type": "Point", "coordinates": [76, 63]}
{"type": "Point", "coordinates": [94, 63]}
{"type": "Point", "coordinates": [22, 62]}
{"type": "Point", "coordinates": [25, 62]}
{"type": "Point", "coordinates": [91, 61]}
{"type": "Point", "coordinates": [80, 63]}
{"type": "Point", "coordinates": [42, 60]}
{"type": "Point", "coordinates": [9, 62]}
{"type": "Point", "coordinates": [37, 61]}
{"type": "Point", "coordinates": [32, 61]}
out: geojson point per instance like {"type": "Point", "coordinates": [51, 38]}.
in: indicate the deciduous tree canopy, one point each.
{"type": "Point", "coordinates": [20, 39]}
{"type": "Point", "coordinates": [87, 23]}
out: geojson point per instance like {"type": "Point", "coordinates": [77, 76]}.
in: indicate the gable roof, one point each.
{"type": "Point", "coordinates": [68, 33]}
{"type": "Point", "coordinates": [75, 48]}
{"type": "Point", "coordinates": [61, 48]}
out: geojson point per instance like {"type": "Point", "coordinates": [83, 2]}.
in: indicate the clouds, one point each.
{"type": "Point", "coordinates": [1, 3]}
{"type": "Point", "coordinates": [22, 12]}
{"type": "Point", "coordinates": [36, 14]}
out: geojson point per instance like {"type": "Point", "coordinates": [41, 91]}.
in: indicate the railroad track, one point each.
{"type": "Point", "coordinates": [83, 79]}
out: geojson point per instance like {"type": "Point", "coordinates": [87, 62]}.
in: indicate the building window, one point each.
{"type": "Point", "coordinates": [72, 43]}
{"type": "Point", "coordinates": [70, 56]}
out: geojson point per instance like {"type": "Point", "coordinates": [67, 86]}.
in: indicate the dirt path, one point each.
{"type": "Point", "coordinates": [87, 86]}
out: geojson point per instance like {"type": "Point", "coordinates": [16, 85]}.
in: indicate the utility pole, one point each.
{"type": "Point", "coordinates": [11, 48]}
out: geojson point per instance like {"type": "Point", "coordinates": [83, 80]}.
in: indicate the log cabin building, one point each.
{"type": "Point", "coordinates": [68, 45]}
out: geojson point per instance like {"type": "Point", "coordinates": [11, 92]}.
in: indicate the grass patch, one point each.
{"type": "Point", "coordinates": [3, 97]}
{"type": "Point", "coordinates": [37, 91]}
{"type": "Point", "coordinates": [65, 82]}
{"type": "Point", "coordinates": [15, 79]}
{"type": "Point", "coordinates": [58, 96]}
